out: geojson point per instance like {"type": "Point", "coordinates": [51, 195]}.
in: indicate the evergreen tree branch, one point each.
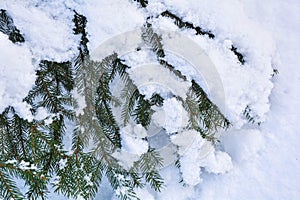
{"type": "Point", "coordinates": [182, 24]}
{"type": "Point", "coordinates": [204, 116]}
{"type": "Point", "coordinates": [199, 31]}
{"type": "Point", "coordinates": [239, 56]}
{"type": "Point", "coordinates": [7, 27]}
{"type": "Point", "coordinates": [153, 40]}
{"type": "Point", "coordinates": [148, 165]}
{"type": "Point", "coordinates": [8, 188]}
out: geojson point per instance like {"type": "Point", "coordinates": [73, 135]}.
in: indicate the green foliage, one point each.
{"type": "Point", "coordinates": [80, 177]}
{"type": "Point", "coordinates": [7, 27]}
{"type": "Point", "coordinates": [98, 126]}
{"type": "Point", "coordinates": [79, 29]}
{"type": "Point", "coordinates": [52, 88]}
{"type": "Point", "coordinates": [9, 190]}
{"type": "Point", "coordinates": [204, 115]}
{"type": "Point", "coordinates": [24, 153]}
{"type": "Point", "coordinates": [33, 150]}
{"type": "Point", "coordinates": [157, 100]}
{"type": "Point", "coordinates": [143, 111]}
{"type": "Point", "coordinates": [148, 164]}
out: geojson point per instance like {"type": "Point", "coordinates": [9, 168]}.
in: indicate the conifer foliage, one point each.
{"type": "Point", "coordinates": [7, 27]}
{"type": "Point", "coordinates": [34, 150]}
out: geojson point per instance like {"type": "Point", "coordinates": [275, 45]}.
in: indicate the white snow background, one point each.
{"type": "Point", "coordinates": [264, 160]}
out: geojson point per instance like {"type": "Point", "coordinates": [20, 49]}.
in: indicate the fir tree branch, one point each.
{"type": "Point", "coordinates": [205, 116]}
{"type": "Point", "coordinates": [53, 85]}
{"type": "Point", "coordinates": [153, 40]}
{"type": "Point", "coordinates": [239, 56]}
{"type": "Point", "coordinates": [182, 24]}
{"type": "Point", "coordinates": [8, 188]}
{"type": "Point", "coordinates": [7, 27]}
{"type": "Point", "coordinates": [148, 165]}
{"type": "Point", "coordinates": [199, 31]}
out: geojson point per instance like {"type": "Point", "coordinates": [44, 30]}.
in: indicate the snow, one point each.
{"type": "Point", "coordinates": [46, 33]}
{"type": "Point", "coordinates": [197, 153]}
{"type": "Point", "coordinates": [250, 162]}
{"type": "Point", "coordinates": [133, 145]}
{"type": "Point", "coordinates": [62, 163]}
{"type": "Point", "coordinates": [148, 78]}
{"type": "Point", "coordinates": [172, 116]}
{"type": "Point", "coordinates": [17, 76]}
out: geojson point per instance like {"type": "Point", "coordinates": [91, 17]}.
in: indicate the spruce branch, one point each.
{"type": "Point", "coordinates": [33, 178]}
{"type": "Point", "coordinates": [199, 31]}
{"type": "Point", "coordinates": [8, 188]}
{"type": "Point", "coordinates": [157, 100]}
{"type": "Point", "coordinates": [7, 27]}
{"type": "Point", "coordinates": [204, 116]}
{"type": "Point", "coordinates": [52, 88]}
{"type": "Point", "coordinates": [148, 166]}
{"type": "Point", "coordinates": [153, 40]}
{"type": "Point", "coordinates": [122, 183]}
{"type": "Point", "coordinates": [143, 111]}
{"type": "Point", "coordinates": [239, 56]}
{"type": "Point", "coordinates": [182, 24]}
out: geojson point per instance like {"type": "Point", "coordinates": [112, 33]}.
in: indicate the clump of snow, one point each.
{"type": "Point", "coordinates": [87, 178]}
{"type": "Point", "coordinates": [47, 28]}
{"type": "Point", "coordinates": [133, 145]}
{"type": "Point", "coordinates": [197, 152]}
{"type": "Point", "coordinates": [185, 139]}
{"type": "Point", "coordinates": [172, 188]}
{"type": "Point", "coordinates": [17, 76]}
{"type": "Point", "coordinates": [217, 162]}
{"type": "Point", "coordinates": [41, 113]}
{"type": "Point", "coordinates": [126, 17]}
{"type": "Point", "coordinates": [189, 160]}
{"type": "Point", "coordinates": [139, 131]}
{"type": "Point", "coordinates": [172, 116]}
{"type": "Point", "coordinates": [23, 165]}
{"type": "Point", "coordinates": [153, 78]}
{"type": "Point", "coordinates": [11, 162]}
